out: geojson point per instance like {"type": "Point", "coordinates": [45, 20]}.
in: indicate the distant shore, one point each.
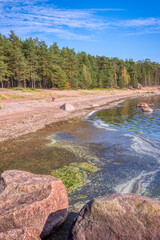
{"type": "Point", "coordinates": [27, 111]}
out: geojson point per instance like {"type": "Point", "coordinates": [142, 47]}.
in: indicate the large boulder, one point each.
{"type": "Point", "coordinates": [118, 217]}
{"type": "Point", "coordinates": [67, 107]}
{"type": "Point", "coordinates": [30, 205]}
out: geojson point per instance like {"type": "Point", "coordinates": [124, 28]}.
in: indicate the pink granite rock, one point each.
{"type": "Point", "coordinates": [30, 203]}
{"type": "Point", "coordinates": [118, 217]}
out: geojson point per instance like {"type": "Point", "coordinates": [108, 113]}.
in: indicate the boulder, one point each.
{"type": "Point", "coordinates": [118, 217]}
{"type": "Point", "coordinates": [67, 107]}
{"type": "Point", "coordinates": [30, 205]}
{"type": "Point", "coordinates": [147, 109]}
{"type": "Point", "coordinates": [142, 104]}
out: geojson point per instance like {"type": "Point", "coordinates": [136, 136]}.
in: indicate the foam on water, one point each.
{"type": "Point", "coordinates": [101, 124]}
{"type": "Point", "coordinates": [90, 114]}
{"type": "Point", "coordinates": [145, 146]}
{"type": "Point", "coordinates": [140, 181]}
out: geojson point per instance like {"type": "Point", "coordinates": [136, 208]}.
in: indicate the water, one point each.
{"type": "Point", "coordinates": [124, 143]}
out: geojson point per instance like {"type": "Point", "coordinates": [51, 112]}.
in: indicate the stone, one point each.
{"type": "Point", "coordinates": [67, 107]}
{"type": "Point", "coordinates": [118, 217]}
{"type": "Point", "coordinates": [20, 234]}
{"type": "Point", "coordinates": [147, 109]}
{"type": "Point", "coordinates": [142, 104]}
{"type": "Point", "coordinates": [31, 205]}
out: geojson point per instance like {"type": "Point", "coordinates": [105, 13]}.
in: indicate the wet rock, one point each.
{"type": "Point", "coordinates": [31, 205]}
{"type": "Point", "coordinates": [67, 107]}
{"type": "Point", "coordinates": [142, 104]}
{"type": "Point", "coordinates": [147, 109]}
{"type": "Point", "coordinates": [118, 217]}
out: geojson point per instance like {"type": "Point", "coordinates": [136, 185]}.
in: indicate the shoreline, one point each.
{"type": "Point", "coordinates": [27, 112]}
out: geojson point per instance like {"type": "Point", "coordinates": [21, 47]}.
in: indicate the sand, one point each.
{"type": "Point", "coordinates": [27, 111]}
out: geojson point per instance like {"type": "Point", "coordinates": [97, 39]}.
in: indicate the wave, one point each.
{"type": "Point", "coordinates": [90, 114]}
{"type": "Point", "coordinates": [100, 124]}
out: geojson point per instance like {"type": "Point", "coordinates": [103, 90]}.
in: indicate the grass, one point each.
{"type": "Point", "coordinates": [149, 92]}
{"type": "Point", "coordinates": [87, 93]}
{"type": "Point", "coordinates": [74, 176]}
{"type": "Point", "coordinates": [24, 89]}
{"type": "Point", "coordinates": [13, 96]}
{"type": "Point", "coordinates": [2, 97]}
{"type": "Point", "coordinates": [104, 89]}
{"type": "Point", "coordinates": [0, 107]}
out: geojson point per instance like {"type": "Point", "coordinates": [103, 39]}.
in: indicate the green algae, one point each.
{"type": "Point", "coordinates": [74, 176]}
{"type": "Point", "coordinates": [85, 166]}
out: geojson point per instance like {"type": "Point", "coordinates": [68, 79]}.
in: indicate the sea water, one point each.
{"type": "Point", "coordinates": [124, 143]}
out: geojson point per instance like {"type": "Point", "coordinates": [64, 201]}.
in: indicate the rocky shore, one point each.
{"type": "Point", "coordinates": [34, 206]}
{"type": "Point", "coordinates": [31, 206]}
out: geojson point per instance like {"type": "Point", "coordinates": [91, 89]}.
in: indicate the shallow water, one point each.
{"type": "Point", "coordinates": [122, 142]}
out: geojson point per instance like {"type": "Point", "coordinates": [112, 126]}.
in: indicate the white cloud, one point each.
{"type": "Point", "coordinates": [36, 16]}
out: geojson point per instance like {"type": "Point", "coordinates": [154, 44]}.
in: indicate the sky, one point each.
{"type": "Point", "coordinates": [123, 29]}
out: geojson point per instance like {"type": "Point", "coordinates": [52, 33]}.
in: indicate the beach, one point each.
{"type": "Point", "coordinates": [24, 111]}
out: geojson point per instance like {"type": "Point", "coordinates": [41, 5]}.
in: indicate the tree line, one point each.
{"type": "Point", "coordinates": [31, 63]}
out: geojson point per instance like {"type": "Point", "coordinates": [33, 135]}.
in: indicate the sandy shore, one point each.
{"type": "Point", "coordinates": [27, 111]}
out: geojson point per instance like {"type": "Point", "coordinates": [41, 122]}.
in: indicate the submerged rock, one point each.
{"type": "Point", "coordinates": [142, 104]}
{"type": "Point", "coordinates": [147, 109]}
{"type": "Point", "coordinates": [31, 206]}
{"type": "Point", "coordinates": [118, 217]}
{"type": "Point", "coordinates": [68, 107]}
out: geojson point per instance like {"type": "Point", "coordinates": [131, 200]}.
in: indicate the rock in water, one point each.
{"type": "Point", "coordinates": [147, 109]}
{"type": "Point", "coordinates": [31, 206]}
{"type": "Point", "coordinates": [68, 107]}
{"type": "Point", "coordinates": [142, 104]}
{"type": "Point", "coordinates": [118, 217]}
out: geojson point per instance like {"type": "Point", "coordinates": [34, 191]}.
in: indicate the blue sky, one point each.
{"type": "Point", "coordinates": [124, 29]}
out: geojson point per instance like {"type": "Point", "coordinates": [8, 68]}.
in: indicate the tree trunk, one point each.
{"type": "Point", "coordinates": [24, 82]}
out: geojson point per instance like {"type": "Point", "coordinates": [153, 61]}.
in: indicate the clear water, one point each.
{"type": "Point", "coordinates": [124, 143]}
